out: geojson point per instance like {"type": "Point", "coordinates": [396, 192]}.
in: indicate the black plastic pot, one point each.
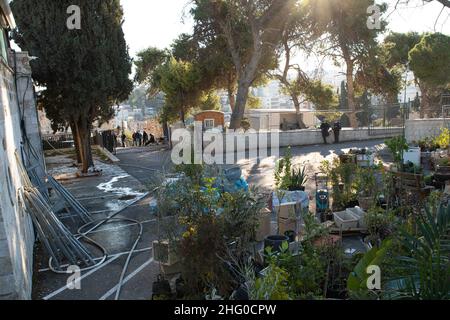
{"type": "Point", "coordinates": [180, 288]}
{"type": "Point", "coordinates": [275, 242]}
{"type": "Point", "coordinates": [297, 188]}
{"type": "Point", "coordinates": [291, 235]}
{"type": "Point", "coordinates": [161, 288]}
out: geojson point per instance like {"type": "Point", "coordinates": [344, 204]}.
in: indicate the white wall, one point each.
{"type": "Point", "coordinates": [16, 230]}
{"type": "Point", "coordinates": [416, 130]}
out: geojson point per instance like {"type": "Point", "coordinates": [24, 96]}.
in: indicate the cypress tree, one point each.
{"type": "Point", "coordinates": [85, 71]}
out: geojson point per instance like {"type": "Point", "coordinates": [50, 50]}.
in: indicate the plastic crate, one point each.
{"type": "Point", "coordinates": [345, 220]}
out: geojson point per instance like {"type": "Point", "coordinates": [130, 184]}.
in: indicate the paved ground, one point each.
{"type": "Point", "coordinates": [123, 184]}
{"type": "Point", "coordinates": [140, 163]}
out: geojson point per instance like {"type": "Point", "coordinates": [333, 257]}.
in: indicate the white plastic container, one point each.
{"type": "Point", "coordinates": [360, 214]}
{"type": "Point", "coordinates": [345, 220]}
{"type": "Point", "coordinates": [412, 155]}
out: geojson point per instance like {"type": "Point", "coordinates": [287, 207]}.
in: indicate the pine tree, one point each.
{"type": "Point", "coordinates": [84, 71]}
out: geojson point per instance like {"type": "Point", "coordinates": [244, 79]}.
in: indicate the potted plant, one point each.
{"type": "Point", "coordinates": [443, 165]}
{"type": "Point", "coordinates": [379, 224]}
{"type": "Point", "coordinates": [397, 146]}
{"type": "Point", "coordinates": [366, 186]}
{"type": "Point", "coordinates": [298, 179]}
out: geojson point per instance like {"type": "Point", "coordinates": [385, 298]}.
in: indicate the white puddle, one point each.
{"type": "Point", "coordinates": [117, 204]}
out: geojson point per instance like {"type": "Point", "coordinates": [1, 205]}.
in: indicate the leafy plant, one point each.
{"type": "Point", "coordinates": [380, 224]}
{"type": "Point", "coordinates": [298, 178]}
{"type": "Point", "coordinates": [273, 286]}
{"type": "Point", "coordinates": [445, 162]}
{"type": "Point", "coordinates": [424, 273]}
{"type": "Point", "coordinates": [397, 146]}
{"type": "Point", "coordinates": [283, 171]}
{"type": "Point", "coordinates": [443, 139]}
{"type": "Point", "coordinates": [357, 280]}
{"type": "Point", "coordinates": [366, 183]}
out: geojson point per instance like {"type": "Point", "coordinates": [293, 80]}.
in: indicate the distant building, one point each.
{"type": "Point", "coordinates": [279, 119]}
{"type": "Point", "coordinates": [211, 119]}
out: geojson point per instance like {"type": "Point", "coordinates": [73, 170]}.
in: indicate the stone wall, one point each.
{"type": "Point", "coordinates": [16, 229]}
{"type": "Point", "coordinates": [416, 130]}
{"type": "Point", "coordinates": [296, 138]}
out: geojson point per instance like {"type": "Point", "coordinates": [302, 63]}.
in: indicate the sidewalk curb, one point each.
{"type": "Point", "coordinates": [110, 156]}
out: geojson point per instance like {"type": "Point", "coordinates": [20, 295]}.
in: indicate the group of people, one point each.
{"type": "Point", "coordinates": [326, 128]}
{"type": "Point", "coordinates": [140, 139]}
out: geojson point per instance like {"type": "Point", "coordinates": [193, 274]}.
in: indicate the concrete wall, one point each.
{"type": "Point", "coordinates": [416, 130]}
{"type": "Point", "coordinates": [303, 137]}
{"type": "Point", "coordinates": [311, 136]}
{"type": "Point", "coordinates": [16, 230]}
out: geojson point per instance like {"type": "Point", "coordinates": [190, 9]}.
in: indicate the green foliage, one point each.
{"type": "Point", "coordinates": [396, 47]}
{"type": "Point", "coordinates": [366, 182]}
{"type": "Point", "coordinates": [380, 224]}
{"type": "Point", "coordinates": [342, 178]}
{"type": "Point", "coordinates": [249, 32]}
{"type": "Point", "coordinates": [357, 280]}
{"type": "Point", "coordinates": [205, 216]}
{"type": "Point", "coordinates": [321, 95]}
{"type": "Point", "coordinates": [443, 139]}
{"type": "Point", "coordinates": [299, 178]}
{"type": "Point", "coordinates": [423, 273]}
{"type": "Point", "coordinates": [397, 146]}
{"type": "Point", "coordinates": [209, 101]}
{"type": "Point", "coordinates": [429, 60]}
{"type": "Point", "coordinates": [283, 170]}
{"type": "Point", "coordinates": [84, 72]}
{"type": "Point", "coordinates": [273, 286]}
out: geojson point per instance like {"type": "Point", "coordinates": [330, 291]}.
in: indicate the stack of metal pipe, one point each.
{"type": "Point", "coordinates": [59, 242]}
{"type": "Point", "coordinates": [71, 201]}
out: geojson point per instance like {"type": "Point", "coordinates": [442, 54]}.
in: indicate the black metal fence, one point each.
{"type": "Point", "coordinates": [57, 141]}
{"type": "Point", "coordinates": [387, 118]}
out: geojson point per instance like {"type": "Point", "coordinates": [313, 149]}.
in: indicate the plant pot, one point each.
{"type": "Point", "coordinates": [443, 169]}
{"type": "Point", "coordinates": [291, 235]}
{"type": "Point", "coordinates": [302, 188]}
{"type": "Point", "coordinates": [180, 288]}
{"type": "Point", "coordinates": [161, 289]}
{"type": "Point", "coordinates": [275, 242]}
{"type": "Point", "coordinates": [365, 202]}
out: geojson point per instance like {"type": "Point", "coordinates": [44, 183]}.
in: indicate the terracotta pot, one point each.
{"type": "Point", "coordinates": [365, 202]}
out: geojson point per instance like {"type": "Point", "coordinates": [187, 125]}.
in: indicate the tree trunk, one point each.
{"type": "Point", "coordinates": [425, 106]}
{"type": "Point", "coordinates": [300, 122]}
{"type": "Point", "coordinates": [84, 142]}
{"type": "Point", "coordinates": [351, 93]}
{"type": "Point", "coordinates": [241, 102]}
{"type": "Point", "coordinates": [76, 142]}
{"type": "Point", "coordinates": [232, 99]}
{"type": "Point", "coordinates": [231, 88]}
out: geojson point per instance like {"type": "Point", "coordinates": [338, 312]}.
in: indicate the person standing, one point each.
{"type": "Point", "coordinates": [337, 131]}
{"type": "Point", "coordinates": [123, 138]}
{"type": "Point", "coordinates": [325, 128]}
{"type": "Point", "coordinates": [145, 138]}
{"type": "Point", "coordinates": [140, 138]}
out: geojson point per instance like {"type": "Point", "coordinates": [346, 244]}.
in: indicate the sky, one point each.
{"type": "Point", "coordinates": [158, 22]}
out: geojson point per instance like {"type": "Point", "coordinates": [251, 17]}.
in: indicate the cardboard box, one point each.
{"type": "Point", "coordinates": [264, 228]}
{"type": "Point", "coordinates": [164, 252]}
{"type": "Point", "coordinates": [286, 210]}
{"type": "Point", "coordinates": [286, 225]}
